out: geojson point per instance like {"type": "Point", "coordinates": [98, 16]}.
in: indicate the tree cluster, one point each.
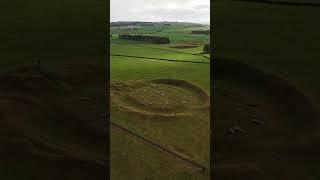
{"type": "Point", "coordinates": [206, 48]}
{"type": "Point", "coordinates": [152, 39]}
{"type": "Point", "coordinates": [201, 32]}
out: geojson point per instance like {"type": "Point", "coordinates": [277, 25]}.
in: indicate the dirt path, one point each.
{"type": "Point", "coordinates": [187, 162]}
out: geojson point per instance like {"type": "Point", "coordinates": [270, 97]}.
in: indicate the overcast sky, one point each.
{"type": "Point", "coordinates": [160, 10]}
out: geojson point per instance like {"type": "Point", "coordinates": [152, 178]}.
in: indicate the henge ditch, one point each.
{"type": "Point", "coordinates": [158, 99]}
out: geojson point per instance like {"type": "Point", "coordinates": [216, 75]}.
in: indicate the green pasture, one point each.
{"type": "Point", "coordinates": [177, 32]}
{"type": "Point", "coordinates": [131, 159]}
{"type": "Point", "coordinates": [145, 50]}
{"type": "Point", "coordinates": [191, 135]}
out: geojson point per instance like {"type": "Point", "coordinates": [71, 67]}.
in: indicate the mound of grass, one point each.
{"type": "Point", "coordinates": [160, 99]}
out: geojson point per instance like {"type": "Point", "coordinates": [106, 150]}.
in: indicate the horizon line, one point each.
{"type": "Point", "coordinates": [162, 21]}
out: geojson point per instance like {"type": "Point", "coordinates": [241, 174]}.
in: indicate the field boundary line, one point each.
{"type": "Point", "coordinates": [173, 51]}
{"type": "Point", "coordinates": [198, 167]}
{"type": "Point", "coordinates": [161, 59]}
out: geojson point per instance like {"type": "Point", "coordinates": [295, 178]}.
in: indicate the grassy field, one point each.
{"type": "Point", "coordinates": [188, 136]}
{"type": "Point", "coordinates": [273, 103]}
{"type": "Point", "coordinates": [177, 32]}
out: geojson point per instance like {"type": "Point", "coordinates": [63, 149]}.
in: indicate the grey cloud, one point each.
{"type": "Point", "coordinates": [157, 10]}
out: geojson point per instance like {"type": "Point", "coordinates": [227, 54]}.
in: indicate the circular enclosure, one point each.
{"type": "Point", "coordinates": [161, 98]}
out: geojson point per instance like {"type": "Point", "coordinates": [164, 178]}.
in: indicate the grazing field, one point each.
{"type": "Point", "coordinates": [160, 96]}
{"type": "Point", "coordinates": [266, 92]}
{"type": "Point", "coordinates": [177, 32]}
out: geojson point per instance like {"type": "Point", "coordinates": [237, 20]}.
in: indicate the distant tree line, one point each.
{"type": "Point", "coordinates": [152, 39]}
{"type": "Point", "coordinates": [201, 32]}
{"type": "Point", "coordinates": [206, 48]}
{"type": "Point", "coordinates": [127, 23]}
{"type": "Point", "coordinates": [146, 24]}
